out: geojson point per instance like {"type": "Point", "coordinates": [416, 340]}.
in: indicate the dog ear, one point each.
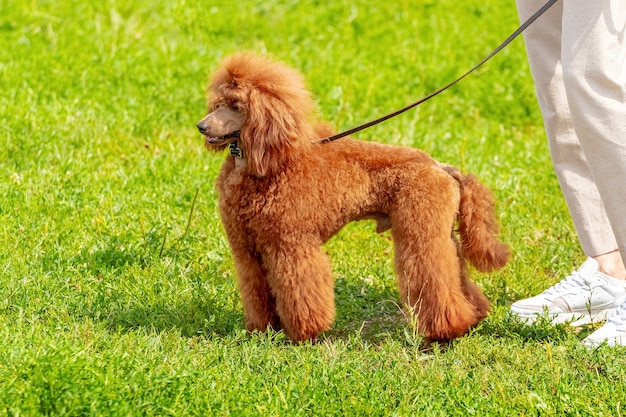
{"type": "Point", "coordinates": [268, 135]}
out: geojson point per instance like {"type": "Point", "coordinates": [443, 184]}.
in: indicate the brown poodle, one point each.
{"type": "Point", "coordinates": [282, 194]}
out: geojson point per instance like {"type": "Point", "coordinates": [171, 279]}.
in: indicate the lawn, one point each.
{"type": "Point", "coordinates": [117, 288]}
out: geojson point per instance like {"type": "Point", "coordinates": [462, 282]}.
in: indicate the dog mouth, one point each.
{"type": "Point", "coordinates": [219, 140]}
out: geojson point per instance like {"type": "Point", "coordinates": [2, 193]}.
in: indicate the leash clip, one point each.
{"type": "Point", "coordinates": [235, 152]}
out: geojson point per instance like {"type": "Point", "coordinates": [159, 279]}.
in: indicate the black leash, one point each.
{"type": "Point", "coordinates": [442, 89]}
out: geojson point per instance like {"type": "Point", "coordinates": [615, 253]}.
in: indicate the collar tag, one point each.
{"type": "Point", "coordinates": [235, 152]}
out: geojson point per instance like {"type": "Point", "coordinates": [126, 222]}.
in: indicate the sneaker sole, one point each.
{"type": "Point", "coordinates": [609, 341]}
{"type": "Point", "coordinates": [574, 319]}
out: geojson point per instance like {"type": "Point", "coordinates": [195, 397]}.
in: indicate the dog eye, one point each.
{"type": "Point", "coordinates": [236, 107]}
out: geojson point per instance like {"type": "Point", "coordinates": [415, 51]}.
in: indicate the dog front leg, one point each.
{"type": "Point", "coordinates": [301, 280]}
{"type": "Point", "coordinates": [258, 302]}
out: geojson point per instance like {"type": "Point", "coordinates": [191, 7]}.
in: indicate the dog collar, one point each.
{"type": "Point", "coordinates": [235, 152]}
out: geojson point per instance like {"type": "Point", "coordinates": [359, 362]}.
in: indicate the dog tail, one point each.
{"type": "Point", "coordinates": [478, 224]}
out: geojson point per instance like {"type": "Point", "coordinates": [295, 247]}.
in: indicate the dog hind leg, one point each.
{"type": "Point", "coordinates": [427, 262]}
{"type": "Point", "coordinates": [472, 292]}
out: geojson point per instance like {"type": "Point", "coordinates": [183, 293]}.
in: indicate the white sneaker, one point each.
{"type": "Point", "coordinates": [613, 332]}
{"type": "Point", "coordinates": [583, 297]}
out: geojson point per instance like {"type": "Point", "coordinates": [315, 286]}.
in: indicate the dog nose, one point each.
{"type": "Point", "coordinates": [201, 127]}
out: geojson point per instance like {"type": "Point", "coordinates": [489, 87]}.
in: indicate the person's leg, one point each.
{"type": "Point", "coordinates": [590, 293]}
{"type": "Point", "coordinates": [594, 76]}
{"type": "Point", "coordinates": [594, 62]}
{"type": "Point", "coordinates": [543, 41]}
{"type": "Point", "coordinates": [611, 264]}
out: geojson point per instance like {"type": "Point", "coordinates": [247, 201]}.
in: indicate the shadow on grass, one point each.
{"type": "Point", "coordinates": [196, 318]}
{"type": "Point", "coordinates": [541, 330]}
{"type": "Point", "coordinates": [361, 308]}
{"type": "Point", "coordinates": [367, 308]}
{"type": "Point", "coordinates": [115, 252]}
{"type": "Point", "coordinates": [157, 285]}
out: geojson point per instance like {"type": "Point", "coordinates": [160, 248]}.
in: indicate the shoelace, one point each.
{"type": "Point", "coordinates": [619, 316]}
{"type": "Point", "coordinates": [575, 280]}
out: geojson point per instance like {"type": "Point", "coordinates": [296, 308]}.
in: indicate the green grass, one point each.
{"type": "Point", "coordinates": [117, 293]}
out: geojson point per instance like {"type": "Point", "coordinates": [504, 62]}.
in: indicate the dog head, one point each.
{"type": "Point", "coordinates": [262, 104]}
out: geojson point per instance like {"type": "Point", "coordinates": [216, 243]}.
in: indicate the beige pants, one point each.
{"type": "Point", "coordinates": [577, 56]}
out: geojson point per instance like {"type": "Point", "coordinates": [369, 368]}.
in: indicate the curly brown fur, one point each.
{"type": "Point", "coordinates": [289, 194]}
